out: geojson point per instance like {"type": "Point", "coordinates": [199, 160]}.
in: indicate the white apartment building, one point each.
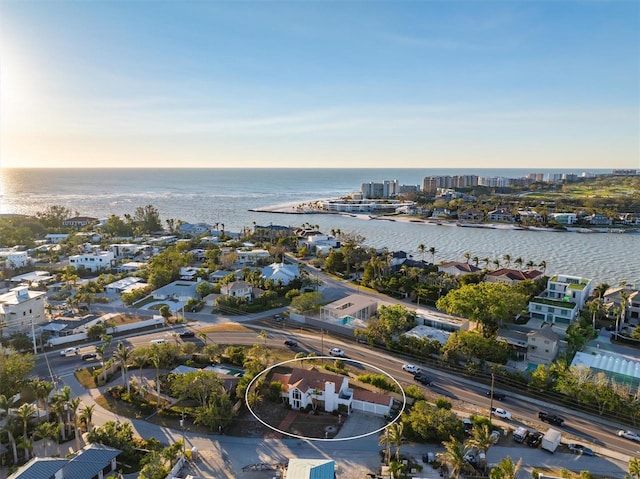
{"type": "Point", "coordinates": [21, 310]}
{"type": "Point", "coordinates": [93, 261]}
{"type": "Point", "coordinates": [15, 259]}
{"type": "Point", "coordinates": [563, 299]}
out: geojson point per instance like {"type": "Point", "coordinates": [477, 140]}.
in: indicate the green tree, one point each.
{"type": "Point", "coordinates": [634, 468]}
{"type": "Point", "coordinates": [14, 371]}
{"type": "Point", "coordinates": [455, 457]}
{"type": "Point", "coordinates": [45, 431]}
{"type": "Point", "coordinates": [506, 469]}
{"type": "Point", "coordinates": [123, 355]}
{"type": "Point", "coordinates": [486, 303]}
{"type": "Point", "coordinates": [147, 219]}
{"type": "Point", "coordinates": [307, 302]}
{"type": "Point", "coordinates": [195, 385]}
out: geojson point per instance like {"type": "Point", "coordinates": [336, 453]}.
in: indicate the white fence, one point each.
{"type": "Point", "coordinates": [155, 321]}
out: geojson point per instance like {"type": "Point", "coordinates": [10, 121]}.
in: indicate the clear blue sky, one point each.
{"type": "Point", "coordinates": [546, 84]}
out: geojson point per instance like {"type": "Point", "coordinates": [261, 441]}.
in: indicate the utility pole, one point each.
{"type": "Point", "coordinates": [491, 397]}
{"type": "Point", "coordinates": [184, 447]}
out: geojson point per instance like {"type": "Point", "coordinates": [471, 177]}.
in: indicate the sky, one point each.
{"type": "Point", "coordinates": [331, 83]}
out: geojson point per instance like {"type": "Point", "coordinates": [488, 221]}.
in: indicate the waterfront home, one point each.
{"type": "Point", "coordinates": [500, 215]}
{"type": "Point", "coordinates": [79, 222]}
{"type": "Point", "coordinates": [271, 232]}
{"type": "Point", "coordinates": [511, 276]}
{"type": "Point", "coordinates": [473, 215]}
{"type": "Point", "coordinates": [456, 268]}
{"type": "Point", "coordinates": [613, 299]}
{"type": "Point", "coordinates": [562, 300]}
{"type": "Point", "coordinates": [197, 229]}
{"type": "Point", "coordinates": [564, 218]}
{"type": "Point", "coordinates": [542, 345]}
{"type": "Point", "coordinates": [319, 243]}
{"type": "Point", "coordinates": [598, 219]}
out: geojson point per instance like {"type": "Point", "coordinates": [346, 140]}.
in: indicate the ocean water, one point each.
{"type": "Point", "coordinates": [227, 196]}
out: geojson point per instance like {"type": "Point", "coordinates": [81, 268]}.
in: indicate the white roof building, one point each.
{"type": "Point", "coordinates": [280, 272]}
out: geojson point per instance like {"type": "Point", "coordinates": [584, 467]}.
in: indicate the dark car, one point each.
{"type": "Point", "coordinates": [422, 379]}
{"type": "Point", "coordinates": [551, 418]}
{"type": "Point", "coordinates": [496, 395]}
{"type": "Point", "coordinates": [534, 439]}
{"type": "Point", "coordinates": [278, 317]}
{"type": "Point", "coordinates": [580, 449]}
{"type": "Point", "coordinates": [291, 343]}
{"type": "Point", "coordinates": [186, 334]}
{"type": "Point", "coordinates": [89, 356]}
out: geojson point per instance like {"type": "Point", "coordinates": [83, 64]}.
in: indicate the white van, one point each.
{"type": "Point", "coordinates": [158, 341]}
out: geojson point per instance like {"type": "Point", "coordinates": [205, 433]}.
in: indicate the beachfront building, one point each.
{"type": "Point", "coordinates": [345, 310]}
{"type": "Point", "coordinates": [364, 206]}
{"type": "Point", "coordinates": [563, 299]}
{"type": "Point", "coordinates": [93, 262]}
{"type": "Point", "coordinates": [79, 222]}
{"type": "Point", "coordinates": [271, 233]}
{"type": "Point", "coordinates": [21, 310]}
{"type": "Point", "coordinates": [511, 276]}
{"type": "Point", "coordinates": [564, 218]}
{"type": "Point", "coordinates": [197, 229]}
{"type": "Point", "coordinates": [501, 215]}
{"type": "Point", "coordinates": [473, 215]}
{"type": "Point", "coordinates": [319, 243]}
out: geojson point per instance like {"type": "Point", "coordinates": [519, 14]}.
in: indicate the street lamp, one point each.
{"type": "Point", "coordinates": [184, 450]}
{"type": "Point", "coordinates": [491, 397]}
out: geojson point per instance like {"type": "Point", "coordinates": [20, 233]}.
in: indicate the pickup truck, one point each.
{"type": "Point", "coordinates": [551, 418]}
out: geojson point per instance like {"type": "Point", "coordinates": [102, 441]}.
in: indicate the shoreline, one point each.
{"type": "Point", "coordinates": [306, 208]}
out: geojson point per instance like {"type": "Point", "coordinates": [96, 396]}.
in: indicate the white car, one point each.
{"type": "Point", "coordinates": [159, 341]}
{"type": "Point", "coordinates": [411, 368]}
{"type": "Point", "coordinates": [501, 413]}
{"type": "Point", "coordinates": [632, 436]}
{"type": "Point", "coordinates": [70, 352]}
{"type": "Point", "coordinates": [336, 352]}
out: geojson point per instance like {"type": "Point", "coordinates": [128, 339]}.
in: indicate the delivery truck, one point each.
{"type": "Point", "coordinates": [551, 440]}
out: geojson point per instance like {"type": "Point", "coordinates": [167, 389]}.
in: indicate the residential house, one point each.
{"type": "Point", "coordinates": [511, 276]}
{"type": "Point", "coordinates": [55, 238]}
{"type": "Point", "coordinates": [271, 232]}
{"type": "Point", "coordinates": [79, 222]}
{"type": "Point", "coordinates": [311, 469]}
{"type": "Point", "coordinates": [564, 218]}
{"type": "Point", "coordinates": [238, 289]}
{"type": "Point", "coordinates": [319, 243]}
{"type": "Point", "coordinates": [345, 310]}
{"type": "Point", "coordinates": [125, 285]}
{"type": "Point", "coordinates": [281, 273]}
{"type": "Point", "coordinates": [315, 389]}
{"type": "Point", "coordinates": [542, 345]}
{"type": "Point", "coordinates": [178, 290]}
{"type": "Point", "coordinates": [500, 215]}
{"type": "Point", "coordinates": [21, 310]}
{"type": "Point", "coordinates": [129, 250]}
{"type": "Point", "coordinates": [612, 300]}
{"type": "Point", "coordinates": [443, 213]}
{"type": "Point", "coordinates": [252, 256]}
{"type": "Point", "coordinates": [94, 461]}
{"type": "Point", "coordinates": [220, 274]}
{"type": "Point", "coordinates": [197, 229]}
{"type": "Point", "coordinates": [562, 300]}
{"type": "Point", "coordinates": [456, 268]}
{"type": "Point", "coordinates": [188, 273]}
{"type": "Point", "coordinates": [529, 215]}
{"type": "Point", "coordinates": [473, 215]}
{"type": "Point", "coordinates": [598, 219]}
{"type": "Point", "coordinates": [35, 278]}
{"type": "Point", "coordinates": [130, 267]}
{"type": "Point", "coordinates": [15, 259]}
{"type": "Point", "coordinates": [93, 261]}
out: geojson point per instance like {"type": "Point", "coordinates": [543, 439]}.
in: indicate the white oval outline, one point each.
{"type": "Point", "coordinates": [246, 395]}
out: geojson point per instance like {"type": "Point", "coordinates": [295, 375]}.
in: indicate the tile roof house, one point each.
{"type": "Point", "coordinates": [93, 461]}
{"type": "Point", "coordinates": [455, 268]}
{"type": "Point", "coordinates": [511, 276]}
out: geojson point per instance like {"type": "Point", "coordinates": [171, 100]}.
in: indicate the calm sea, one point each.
{"type": "Point", "coordinates": [227, 195]}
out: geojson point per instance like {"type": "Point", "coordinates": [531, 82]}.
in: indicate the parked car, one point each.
{"type": "Point", "coordinates": [551, 418]}
{"type": "Point", "coordinates": [422, 379]}
{"type": "Point", "coordinates": [534, 439]}
{"type": "Point", "coordinates": [158, 341]}
{"type": "Point", "coordinates": [291, 343]}
{"type": "Point", "coordinates": [89, 356]}
{"type": "Point", "coordinates": [186, 334]}
{"type": "Point", "coordinates": [467, 425]}
{"type": "Point", "coordinates": [336, 352]}
{"type": "Point", "coordinates": [70, 352]}
{"type": "Point", "coordinates": [495, 436]}
{"type": "Point", "coordinates": [580, 449]}
{"type": "Point", "coordinates": [496, 395]}
{"type": "Point", "coordinates": [501, 413]}
{"type": "Point", "coordinates": [632, 436]}
{"type": "Point", "coordinates": [411, 368]}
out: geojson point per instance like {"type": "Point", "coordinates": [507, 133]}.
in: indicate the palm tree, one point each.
{"type": "Point", "coordinates": [518, 261]}
{"type": "Point", "coordinates": [455, 457]}
{"type": "Point", "coordinates": [475, 260]}
{"type": "Point", "coordinates": [530, 264]}
{"type": "Point", "coordinates": [507, 259]}
{"type": "Point", "coordinates": [72, 408]}
{"type": "Point", "coordinates": [486, 262]}
{"type": "Point", "coordinates": [543, 265]}
{"type": "Point", "coordinates": [421, 249]}
{"type": "Point", "coordinates": [202, 335]}
{"type": "Point", "coordinates": [395, 437]}
{"type": "Point", "coordinates": [263, 335]}
{"type": "Point", "coordinates": [101, 351]}
{"type": "Point", "coordinates": [496, 263]}
{"type": "Point", "coordinates": [86, 416]}
{"type": "Point", "coordinates": [61, 405]}
{"type": "Point", "coordinates": [481, 439]}
{"type": "Point", "coordinates": [634, 468]}
{"type": "Point", "coordinates": [432, 251]}
{"type": "Point", "coordinates": [385, 440]}
{"type": "Point", "coordinates": [46, 431]}
{"type": "Point", "coordinates": [26, 412]}
{"type": "Point", "coordinates": [42, 389]}
{"type": "Point", "coordinates": [467, 256]}
{"type": "Point", "coordinates": [5, 411]}
{"type": "Point", "coordinates": [155, 360]}
{"type": "Point", "coordinates": [506, 469]}
{"type": "Point", "coordinates": [139, 361]}
{"type": "Point", "coordinates": [123, 354]}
